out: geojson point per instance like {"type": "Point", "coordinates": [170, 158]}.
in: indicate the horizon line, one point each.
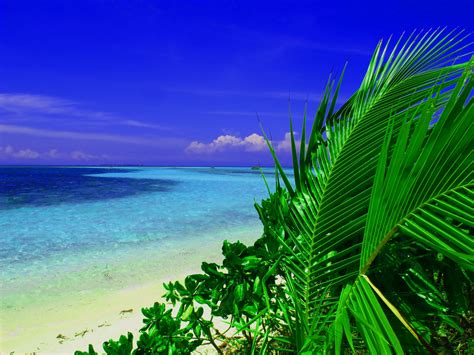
{"type": "Point", "coordinates": [140, 165]}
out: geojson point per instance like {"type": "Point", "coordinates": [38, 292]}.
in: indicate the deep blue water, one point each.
{"type": "Point", "coordinates": [46, 186]}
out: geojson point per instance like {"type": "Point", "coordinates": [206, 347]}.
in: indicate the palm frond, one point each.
{"type": "Point", "coordinates": [375, 167]}
{"type": "Point", "coordinates": [429, 176]}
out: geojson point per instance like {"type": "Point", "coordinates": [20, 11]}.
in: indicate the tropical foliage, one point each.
{"type": "Point", "coordinates": [370, 247]}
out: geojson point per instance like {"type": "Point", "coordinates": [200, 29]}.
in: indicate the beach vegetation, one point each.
{"type": "Point", "coordinates": [368, 244]}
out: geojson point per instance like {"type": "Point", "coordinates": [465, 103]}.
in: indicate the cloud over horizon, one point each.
{"type": "Point", "coordinates": [8, 151]}
{"type": "Point", "coordinates": [251, 143]}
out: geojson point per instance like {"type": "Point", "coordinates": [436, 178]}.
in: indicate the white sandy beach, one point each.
{"type": "Point", "coordinates": [71, 323]}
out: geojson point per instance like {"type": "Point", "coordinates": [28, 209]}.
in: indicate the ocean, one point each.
{"type": "Point", "coordinates": [74, 230]}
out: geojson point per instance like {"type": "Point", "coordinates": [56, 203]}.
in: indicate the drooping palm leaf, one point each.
{"type": "Point", "coordinates": [326, 220]}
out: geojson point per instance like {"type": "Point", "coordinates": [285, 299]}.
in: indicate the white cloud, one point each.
{"type": "Point", "coordinates": [37, 132]}
{"type": "Point", "coordinates": [27, 154]}
{"type": "Point", "coordinates": [53, 153]}
{"type": "Point", "coordinates": [9, 152]}
{"type": "Point", "coordinates": [285, 144]}
{"type": "Point", "coordinates": [252, 143]}
{"type": "Point", "coordinates": [28, 102]}
{"type": "Point", "coordinates": [24, 105]}
{"type": "Point", "coordinates": [80, 155]}
{"type": "Point", "coordinates": [134, 123]}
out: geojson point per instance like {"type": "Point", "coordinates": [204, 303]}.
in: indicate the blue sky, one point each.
{"type": "Point", "coordinates": [180, 82]}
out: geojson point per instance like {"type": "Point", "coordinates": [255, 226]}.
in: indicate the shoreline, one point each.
{"type": "Point", "coordinates": [94, 316]}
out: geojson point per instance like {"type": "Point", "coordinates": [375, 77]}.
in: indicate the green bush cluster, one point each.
{"type": "Point", "coordinates": [243, 290]}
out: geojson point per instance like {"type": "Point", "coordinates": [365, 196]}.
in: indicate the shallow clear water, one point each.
{"type": "Point", "coordinates": [76, 224]}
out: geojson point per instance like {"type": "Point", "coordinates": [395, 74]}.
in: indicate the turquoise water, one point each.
{"type": "Point", "coordinates": [69, 229]}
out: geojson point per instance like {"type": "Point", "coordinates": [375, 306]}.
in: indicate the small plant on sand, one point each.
{"type": "Point", "coordinates": [370, 247]}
